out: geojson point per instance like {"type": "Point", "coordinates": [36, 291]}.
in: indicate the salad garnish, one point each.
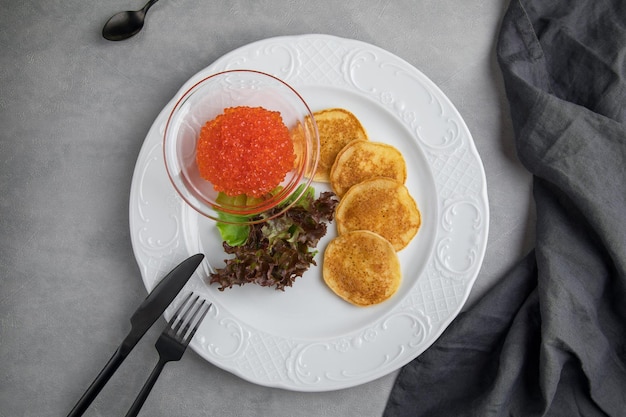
{"type": "Point", "coordinates": [277, 251]}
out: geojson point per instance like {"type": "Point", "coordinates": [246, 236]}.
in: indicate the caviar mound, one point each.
{"type": "Point", "coordinates": [245, 150]}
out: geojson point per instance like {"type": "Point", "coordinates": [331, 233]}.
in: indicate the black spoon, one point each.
{"type": "Point", "coordinates": [123, 25]}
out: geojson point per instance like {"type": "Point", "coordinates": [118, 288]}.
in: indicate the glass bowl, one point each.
{"type": "Point", "coordinates": [209, 98]}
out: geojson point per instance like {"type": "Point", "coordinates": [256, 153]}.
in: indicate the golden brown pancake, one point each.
{"type": "Point", "coordinates": [337, 127]}
{"type": "Point", "coordinates": [382, 206]}
{"type": "Point", "coordinates": [362, 268]}
{"type": "Point", "coordinates": [361, 160]}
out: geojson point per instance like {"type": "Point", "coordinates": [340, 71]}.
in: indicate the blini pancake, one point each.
{"type": "Point", "coordinates": [362, 268]}
{"type": "Point", "coordinates": [382, 206]}
{"type": "Point", "coordinates": [361, 160]}
{"type": "Point", "coordinates": [336, 127]}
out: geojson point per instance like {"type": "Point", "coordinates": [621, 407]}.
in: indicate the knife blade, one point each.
{"type": "Point", "coordinates": [144, 317]}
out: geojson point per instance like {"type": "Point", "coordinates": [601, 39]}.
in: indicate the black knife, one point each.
{"type": "Point", "coordinates": [148, 312]}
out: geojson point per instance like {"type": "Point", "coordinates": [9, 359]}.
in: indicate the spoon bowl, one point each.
{"type": "Point", "coordinates": [123, 25]}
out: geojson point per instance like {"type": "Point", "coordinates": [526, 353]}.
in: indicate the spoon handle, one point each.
{"type": "Point", "coordinates": [148, 5]}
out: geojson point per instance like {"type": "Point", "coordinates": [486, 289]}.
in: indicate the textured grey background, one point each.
{"type": "Point", "coordinates": [74, 110]}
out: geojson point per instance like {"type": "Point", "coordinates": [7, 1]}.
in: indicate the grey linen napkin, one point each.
{"type": "Point", "coordinates": [550, 338]}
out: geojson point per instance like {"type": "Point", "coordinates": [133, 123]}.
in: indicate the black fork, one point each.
{"type": "Point", "coordinates": [173, 342]}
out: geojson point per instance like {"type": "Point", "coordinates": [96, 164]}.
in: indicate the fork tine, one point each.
{"type": "Point", "coordinates": [179, 309]}
{"type": "Point", "coordinates": [175, 326]}
{"type": "Point", "coordinates": [185, 317]}
{"type": "Point", "coordinates": [204, 307]}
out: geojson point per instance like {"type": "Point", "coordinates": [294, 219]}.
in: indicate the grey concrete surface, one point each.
{"type": "Point", "coordinates": [74, 110]}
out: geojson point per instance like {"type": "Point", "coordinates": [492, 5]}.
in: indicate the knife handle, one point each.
{"type": "Point", "coordinates": [97, 385]}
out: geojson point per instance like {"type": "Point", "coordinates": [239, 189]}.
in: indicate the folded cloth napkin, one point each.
{"type": "Point", "coordinates": [550, 338]}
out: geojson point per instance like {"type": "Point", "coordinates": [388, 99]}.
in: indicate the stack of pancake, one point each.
{"type": "Point", "coordinates": [376, 215]}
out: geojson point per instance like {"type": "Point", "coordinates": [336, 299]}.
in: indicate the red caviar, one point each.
{"type": "Point", "coordinates": [245, 150]}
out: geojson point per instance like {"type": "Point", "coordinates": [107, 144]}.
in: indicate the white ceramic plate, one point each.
{"type": "Point", "coordinates": [306, 338]}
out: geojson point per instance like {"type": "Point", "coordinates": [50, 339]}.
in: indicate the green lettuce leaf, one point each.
{"type": "Point", "coordinates": [232, 233]}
